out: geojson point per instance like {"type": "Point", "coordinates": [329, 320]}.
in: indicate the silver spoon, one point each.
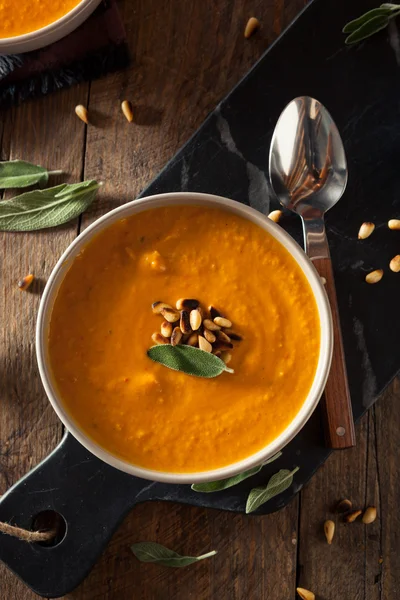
{"type": "Point", "coordinates": [308, 173]}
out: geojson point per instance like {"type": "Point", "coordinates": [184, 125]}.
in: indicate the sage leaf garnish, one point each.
{"type": "Point", "coordinates": [370, 22]}
{"type": "Point", "coordinates": [156, 553]}
{"type": "Point", "coordinates": [20, 174]}
{"type": "Point", "coordinates": [278, 483]}
{"type": "Point", "coordinates": [40, 209]}
{"type": "Point", "coordinates": [223, 484]}
{"type": "Point", "coordinates": [189, 360]}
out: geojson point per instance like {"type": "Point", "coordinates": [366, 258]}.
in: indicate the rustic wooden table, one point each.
{"type": "Point", "coordinates": [186, 57]}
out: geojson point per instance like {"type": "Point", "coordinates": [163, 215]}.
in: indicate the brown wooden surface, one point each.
{"type": "Point", "coordinates": [336, 402]}
{"type": "Point", "coordinates": [187, 56]}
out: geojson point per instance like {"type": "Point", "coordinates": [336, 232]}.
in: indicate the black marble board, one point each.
{"type": "Point", "coordinates": [228, 156]}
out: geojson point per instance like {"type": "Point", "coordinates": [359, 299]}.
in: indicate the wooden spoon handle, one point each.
{"type": "Point", "coordinates": [339, 423]}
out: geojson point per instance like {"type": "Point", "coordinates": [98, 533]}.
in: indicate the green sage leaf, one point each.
{"type": "Point", "coordinates": [367, 29]}
{"type": "Point", "coordinates": [156, 553]}
{"type": "Point", "coordinates": [46, 208]}
{"type": "Point", "coordinates": [20, 174]}
{"type": "Point", "coordinates": [376, 12]}
{"type": "Point", "coordinates": [189, 360]}
{"type": "Point", "coordinates": [223, 484]}
{"type": "Point", "coordinates": [278, 483]}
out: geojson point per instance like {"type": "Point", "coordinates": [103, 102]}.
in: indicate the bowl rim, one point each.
{"type": "Point", "coordinates": [64, 21]}
{"type": "Point", "coordinates": [185, 198]}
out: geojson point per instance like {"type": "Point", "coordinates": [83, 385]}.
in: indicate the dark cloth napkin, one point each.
{"type": "Point", "coordinates": [97, 47]}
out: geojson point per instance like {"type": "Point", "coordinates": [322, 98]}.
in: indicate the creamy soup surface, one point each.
{"type": "Point", "coordinates": [102, 323]}
{"type": "Point", "coordinates": [23, 16]}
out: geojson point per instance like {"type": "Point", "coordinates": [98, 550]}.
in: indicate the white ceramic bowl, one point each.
{"type": "Point", "coordinates": [132, 208]}
{"type": "Point", "coordinates": [51, 33]}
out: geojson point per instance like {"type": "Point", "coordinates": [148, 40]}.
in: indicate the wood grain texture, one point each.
{"type": "Point", "coordinates": [186, 57]}
{"type": "Point", "coordinates": [337, 409]}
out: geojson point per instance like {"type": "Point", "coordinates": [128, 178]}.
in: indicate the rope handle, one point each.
{"type": "Point", "coordinates": [25, 535]}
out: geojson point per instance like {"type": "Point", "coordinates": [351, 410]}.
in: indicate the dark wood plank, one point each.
{"type": "Point", "coordinates": [255, 556]}
{"type": "Point", "coordinates": [45, 132]}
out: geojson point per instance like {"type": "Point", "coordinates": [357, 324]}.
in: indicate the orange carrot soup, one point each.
{"type": "Point", "coordinates": [102, 325]}
{"type": "Point", "coordinates": [23, 16]}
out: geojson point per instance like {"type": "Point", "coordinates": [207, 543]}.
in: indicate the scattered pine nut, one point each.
{"type": "Point", "coordinates": [195, 319]}
{"type": "Point", "coordinates": [185, 322]}
{"type": "Point", "coordinates": [374, 276]}
{"type": "Point", "coordinates": [211, 325]}
{"type": "Point", "coordinates": [82, 112]}
{"type": "Point", "coordinates": [329, 529]}
{"type": "Point", "coordinates": [365, 230]}
{"type": "Point", "coordinates": [344, 506]}
{"type": "Point", "coordinates": [24, 283]}
{"type": "Point", "coordinates": [170, 314]}
{"type": "Point", "coordinates": [159, 339]}
{"type": "Point", "coordinates": [126, 108]}
{"type": "Point", "coordinates": [323, 280]}
{"type": "Point", "coordinates": [394, 224]}
{"type": "Point", "coordinates": [166, 329]}
{"type": "Point", "coordinates": [158, 306]}
{"type": "Point", "coordinates": [176, 336]}
{"type": "Point", "coordinates": [305, 594]}
{"type": "Point", "coordinates": [275, 215]}
{"type": "Point", "coordinates": [210, 337]}
{"type": "Point", "coordinates": [251, 27]}
{"type": "Point", "coordinates": [395, 264]}
{"type": "Point", "coordinates": [204, 345]}
{"type": "Point", "coordinates": [222, 322]}
{"type": "Point", "coordinates": [352, 516]}
{"type": "Point", "coordinates": [369, 515]}
{"type": "Point", "coordinates": [226, 357]}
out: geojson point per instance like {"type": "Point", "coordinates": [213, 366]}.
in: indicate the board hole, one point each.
{"type": "Point", "coordinates": [50, 519]}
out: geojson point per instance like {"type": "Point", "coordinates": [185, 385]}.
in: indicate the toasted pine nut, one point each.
{"type": "Point", "coordinates": [195, 319]}
{"type": "Point", "coordinates": [158, 306]}
{"type": "Point", "coordinates": [213, 312]}
{"type": "Point", "coordinates": [193, 339]}
{"type": "Point", "coordinates": [275, 216]}
{"type": "Point", "coordinates": [222, 322]}
{"type": "Point", "coordinates": [170, 314]}
{"type": "Point", "coordinates": [126, 108]}
{"type": "Point", "coordinates": [210, 337]}
{"type": "Point", "coordinates": [235, 336]}
{"type": "Point", "coordinates": [252, 25]}
{"type": "Point", "coordinates": [24, 283]}
{"type": "Point", "coordinates": [374, 276]}
{"type": "Point", "coordinates": [176, 336]}
{"type": "Point", "coordinates": [223, 337]}
{"type": "Point", "coordinates": [394, 224]}
{"type": "Point", "coordinates": [329, 529]}
{"type": "Point", "coordinates": [204, 345]}
{"type": "Point", "coordinates": [159, 339]}
{"type": "Point", "coordinates": [185, 322]}
{"type": "Point", "coordinates": [365, 230]}
{"type": "Point", "coordinates": [187, 304]}
{"type": "Point", "coordinates": [395, 264]}
{"type": "Point", "coordinates": [369, 515]}
{"type": "Point", "coordinates": [226, 357]}
{"type": "Point", "coordinates": [211, 325]}
{"type": "Point", "coordinates": [82, 112]}
{"type": "Point", "coordinates": [166, 329]}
